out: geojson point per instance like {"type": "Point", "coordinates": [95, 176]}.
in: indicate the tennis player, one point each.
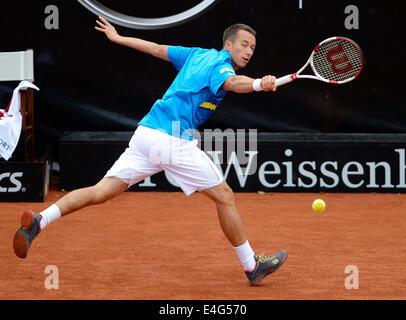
{"type": "Point", "coordinates": [164, 140]}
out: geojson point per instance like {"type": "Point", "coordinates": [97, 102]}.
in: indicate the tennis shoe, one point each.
{"type": "Point", "coordinates": [265, 265]}
{"type": "Point", "coordinates": [30, 228]}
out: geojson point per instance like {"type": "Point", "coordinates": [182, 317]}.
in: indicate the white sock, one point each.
{"type": "Point", "coordinates": [246, 255]}
{"type": "Point", "coordinates": [48, 215]}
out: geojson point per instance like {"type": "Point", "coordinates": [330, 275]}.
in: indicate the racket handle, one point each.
{"type": "Point", "coordinates": [284, 80]}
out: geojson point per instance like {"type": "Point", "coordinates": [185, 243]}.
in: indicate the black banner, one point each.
{"type": "Point", "coordinates": [262, 162]}
{"type": "Point", "coordinates": [90, 84]}
{"type": "Point", "coordinates": [24, 181]}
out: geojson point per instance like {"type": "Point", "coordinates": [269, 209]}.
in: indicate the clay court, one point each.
{"type": "Point", "coordinates": [143, 246]}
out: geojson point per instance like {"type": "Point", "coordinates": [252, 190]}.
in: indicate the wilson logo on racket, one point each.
{"type": "Point", "coordinates": [337, 57]}
{"type": "Point", "coordinates": [335, 60]}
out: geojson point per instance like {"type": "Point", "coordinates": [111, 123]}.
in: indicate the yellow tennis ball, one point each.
{"type": "Point", "coordinates": [318, 205]}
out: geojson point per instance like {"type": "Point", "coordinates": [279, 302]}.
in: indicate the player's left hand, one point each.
{"type": "Point", "coordinates": [107, 28]}
{"type": "Point", "coordinates": [268, 83]}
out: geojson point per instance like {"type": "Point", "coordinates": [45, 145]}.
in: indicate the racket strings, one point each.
{"type": "Point", "coordinates": [337, 60]}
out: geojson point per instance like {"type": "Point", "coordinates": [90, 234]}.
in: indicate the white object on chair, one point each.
{"type": "Point", "coordinates": [11, 123]}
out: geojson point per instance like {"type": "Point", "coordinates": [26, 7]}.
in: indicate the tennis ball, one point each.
{"type": "Point", "coordinates": [318, 205]}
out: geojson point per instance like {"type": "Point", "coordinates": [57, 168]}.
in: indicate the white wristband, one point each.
{"type": "Point", "coordinates": [257, 85]}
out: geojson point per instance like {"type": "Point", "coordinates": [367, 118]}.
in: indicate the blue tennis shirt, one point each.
{"type": "Point", "coordinates": [194, 94]}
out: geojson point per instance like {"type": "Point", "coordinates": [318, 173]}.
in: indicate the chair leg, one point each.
{"type": "Point", "coordinates": [30, 150]}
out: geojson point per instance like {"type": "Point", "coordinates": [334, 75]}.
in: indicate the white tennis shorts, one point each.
{"type": "Point", "coordinates": [151, 151]}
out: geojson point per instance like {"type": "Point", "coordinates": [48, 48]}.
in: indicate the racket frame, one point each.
{"type": "Point", "coordinates": [297, 75]}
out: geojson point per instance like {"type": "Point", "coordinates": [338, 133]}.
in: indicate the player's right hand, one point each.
{"type": "Point", "coordinates": [268, 83]}
{"type": "Point", "coordinates": [107, 28]}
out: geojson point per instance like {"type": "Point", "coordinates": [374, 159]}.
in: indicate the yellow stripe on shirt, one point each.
{"type": "Point", "coordinates": [226, 69]}
{"type": "Point", "coordinates": [208, 105]}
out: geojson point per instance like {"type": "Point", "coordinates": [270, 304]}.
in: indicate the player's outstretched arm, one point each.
{"type": "Point", "coordinates": [244, 84]}
{"type": "Point", "coordinates": [152, 48]}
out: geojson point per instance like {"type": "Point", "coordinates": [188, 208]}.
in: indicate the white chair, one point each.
{"type": "Point", "coordinates": [18, 66]}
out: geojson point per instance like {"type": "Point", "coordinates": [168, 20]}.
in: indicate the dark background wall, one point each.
{"type": "Point", "coordinates": [88, 83]}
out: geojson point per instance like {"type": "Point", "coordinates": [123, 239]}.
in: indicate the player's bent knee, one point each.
{"type": "Point", "coordinates": [99, 195]}
{"type": "Point", "coordinates": [107, 189]}
{"type": "Point", "coordinates": [221, 194]}
{"type": "Point", "coordinates": [225, 196]}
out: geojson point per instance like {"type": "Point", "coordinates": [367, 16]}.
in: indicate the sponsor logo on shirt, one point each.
{"type": "Point", "coordinates": [227, 69]}
{"type": "Point", "coordinates": [208, 105]}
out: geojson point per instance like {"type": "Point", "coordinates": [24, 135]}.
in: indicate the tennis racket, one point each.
{"type": "Point", "coordinates": [335, 60]}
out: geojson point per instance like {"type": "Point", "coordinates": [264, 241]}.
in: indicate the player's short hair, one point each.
{"type": "Point", "coordinates": [231, 32]}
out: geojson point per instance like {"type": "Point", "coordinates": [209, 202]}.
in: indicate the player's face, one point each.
{"type": "Point", "coordinates": [242, 49]}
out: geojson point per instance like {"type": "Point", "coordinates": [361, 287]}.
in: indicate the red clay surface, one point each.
{"type": "Point", "coordinates": [169, 246]}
